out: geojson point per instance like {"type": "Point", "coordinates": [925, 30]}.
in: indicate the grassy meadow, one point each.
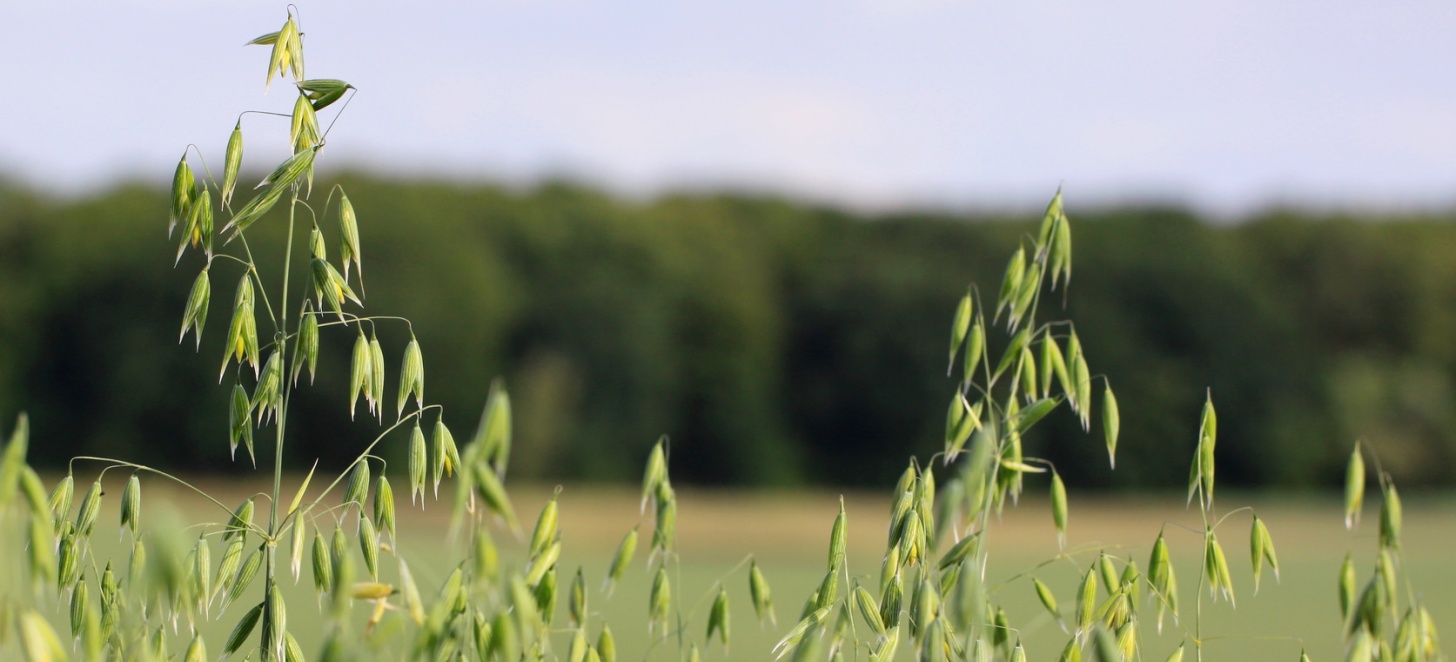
{"type": "Point", "coordinates": [788, 532]}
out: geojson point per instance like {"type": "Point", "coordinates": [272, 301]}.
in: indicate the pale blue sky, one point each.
{"type": "Point", "coordinates": [1225, 104]}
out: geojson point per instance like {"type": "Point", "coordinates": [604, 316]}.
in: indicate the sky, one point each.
{"type": "Point", "coordinates": [1226, 105]}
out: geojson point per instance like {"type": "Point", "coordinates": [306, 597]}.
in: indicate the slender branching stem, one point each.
{"type": "Point", "coordinates": [142, 467]}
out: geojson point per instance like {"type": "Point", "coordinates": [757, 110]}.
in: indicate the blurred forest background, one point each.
{"type": "Point", "coordinates": [776, 342]}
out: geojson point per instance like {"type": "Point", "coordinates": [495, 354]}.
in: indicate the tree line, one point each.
{"type": "Point", "coordinates": [775, 342]}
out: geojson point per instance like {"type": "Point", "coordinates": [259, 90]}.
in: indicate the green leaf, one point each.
{"type": "Point", "coordinates": [417, 463]}
{"type": "Point", "coordinates": [1354, 487]}
{"type": "Point", "coordinates": [1049, 601]}
{"type": "Point", "coordinates": [232, 162]}
{"type": "Point", "coordinates": [959, 327]}
{"type": "Point", "coordinates": [183, 188]}
{"type": "Point", "coordinates": [869, 609]}
{"type": "Point", "coordinates": [1024, 419]}
{"type": "Point", "coordinates": [411, 376]}
{"type": "Point", "coordinates": [1030, 285]}
{"type": "Point", "coordinates": [1082, 379]}
{"type": "Point", "coordinates": [254, 210]}
{"type": "Point", "coordinates": [227, 568]}
{"type": "Point", "coordinates": [796, 634]}
{"type": "Point", "coordinates": [1107, 572]}
{"type": "Point", "coordinates": [974, 348]}
{"type": "Point", "coordinates": [241, 521]}
{"type": "Point", "coordinates": [960, 551]}
{"type": "Point", "coordinates": [658, 603]}
{"type": "Point", "coordinates": [303, 127]}
{"type": "Point", "coordinates": [1027, 376]}
{"type": "Point", "coordinates": [760, 593]}
{"type": "Point", "coordinates": [323, 91]}
{"type": "Point", "coordinates": [330, 288]}
{"type": "Point", "coordinates": [14, 459]}
{"type": "Point", "coordinates": [295, 54]}
{"type": "Point", "coordinates": [323, 566]}
{"type": "Point", "coordinates": [242, 341]}
{"type": "Point", "coordinates": [837, 543]}
{"type": "Point", "coordinates": [306, 345]}
{"type": "Point", "coordinates": [1087, 599]}
{"type": "Point", "coordinates": [243, 628]}
{"type": "Point", "coordinates": [360, 370]}
{"type": "Point", "coordinates": [245, 574]}
{"type": "Point", "coordinates": [494, 495]}
{"type": "Point", "coordinates": [357, 491]}
{"type": "Point", "coordinates": [194, 316]}
{"type": "Point", "coordinates": [1046, 236]}
{"type": "Point", "coordinates": [577, 606]}
{"type": "Point", "coordinates": [1207, 439]}
{"type": "Point", "coordinates": [196, 651]}
{"type": "Point", "coordinates": [376, 374]}
{"type": "Point", "coordinates": [1111, 423]}
{"type": "Point", "coordinates": [268, 396]}
{"type": "Point", "coordinates": [545, 531]}
{"type": "Point", "coordinates": [369, 546]}
{"type": "Point", "coordinates": [384, 505]}
{"type": "Point", "coordinates": [278, 182]}
{"type": "Point", "coordinates": [265, 40]}
{"type": "Point", "coordinates": [349, 238]}
{"type": "Point", "coordinates": [131, 504]}
{"type": "Point", "coordinates": [1011, 282]}
{"type": "Point", "coordinates": [961, 421]}
{"type": "Point", "coordinates": [493, 435]}
{"type": "Point", "coordinates": [1390, 519]}
{"type": "Point", "coordinates": [444, 457]}
{"type": "Point", "coordinates": [1062, 254]}
{"type": "Point", "coordinates": [1059, 508]}
{"type": "Point", "coordinates": [1013, 352]}
{"type": "Point", "coordinates": [625, 551]}
{"type": "Point", "coordinates": [90, 509]}
{"type": "Point", "coordinates": [1260, 550]}
{"type": "Point", "coordinates": [199, 225]}
{"type": "Point", "coordinates": [200, 577]}
{"type": "Point", "coordinates": [38, 641]}
{"type": "Point", "coordinates": [278, 61]}
{"type": "Point", "coordinates": [414, 606]}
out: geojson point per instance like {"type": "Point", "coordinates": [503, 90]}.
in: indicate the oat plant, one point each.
{"type": "Point", "coordinates": [153, 602]}
{"type": "Point", "coordinates": [929, 600]}
{"type": "Point", "coordinates": [1381, 621]}
{"type": "Point", "coordinates": [931, 596]}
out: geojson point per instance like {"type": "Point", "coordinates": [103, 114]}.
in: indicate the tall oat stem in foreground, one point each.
{"type": "Point", "coordinates": [927, 596]}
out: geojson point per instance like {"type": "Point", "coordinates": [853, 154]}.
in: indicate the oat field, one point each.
{"type": "Point", "coordinates": [788, 534]}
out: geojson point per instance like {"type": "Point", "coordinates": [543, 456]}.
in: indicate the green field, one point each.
{"type": "Point", "coordinates": [788, 532]}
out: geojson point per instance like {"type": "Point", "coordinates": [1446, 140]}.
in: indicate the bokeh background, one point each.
{"type": "Point", "coordinates": [747, 226]}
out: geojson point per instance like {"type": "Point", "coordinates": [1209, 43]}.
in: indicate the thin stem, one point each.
{"type": "Point", "coordinates": [264, 112]}
{"type": "Point", "coordinates": [1255, 637]}
{"type": "Point", "coordinates": [358, 319]}
{"type": "Point", "coordinates": [208, 171]}
{"type": "Point", "coordinates": [142, 467]}
{"type": "Point", "coordinates": [253, 271]}
{"type": "Point", "coordinates": [216, 256]}
{"type": "Point", "coordinates": [1069, 555]}
{"type": "Point", "coordinates": [362, 456]}
{"type": "Point", "coordinates": [1231, 513]}
{"type": "Point", "coordinates": [351, 92]}
{"type": "Point", "coordinates": [281, 339]}
{"type": "Point", "coordinates": [1202, 570]}
{"type": "Point", "coordinates": [718, 583]}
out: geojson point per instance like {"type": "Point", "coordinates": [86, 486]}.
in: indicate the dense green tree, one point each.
{"type": "Point", "coordinates": [775, 342]}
